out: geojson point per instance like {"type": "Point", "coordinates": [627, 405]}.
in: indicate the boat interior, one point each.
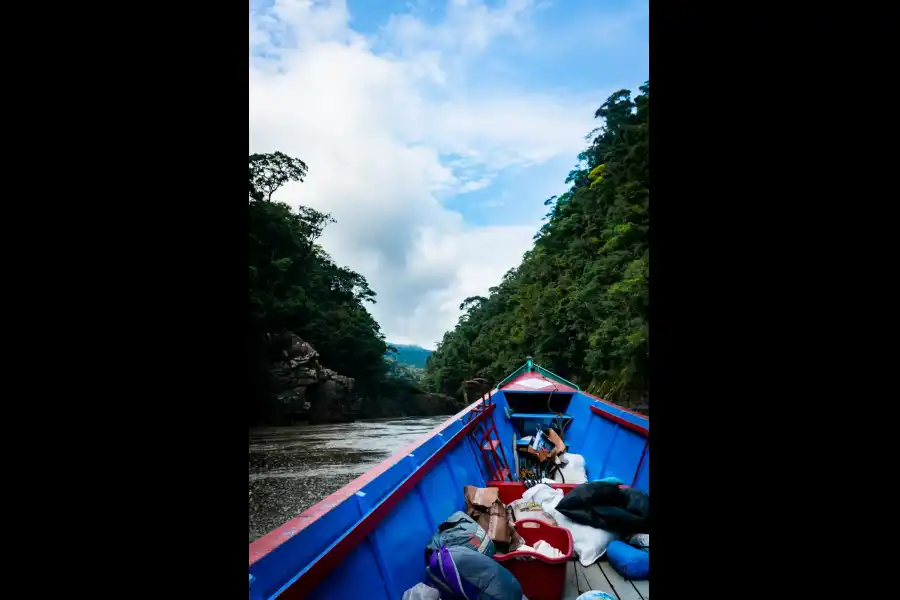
{"type": "Point", "coordinates": [366, 540]}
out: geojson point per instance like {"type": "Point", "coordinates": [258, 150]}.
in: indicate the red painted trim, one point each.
{"type": "Point", "coordinates": [631, 412]}
{"type": "Point", "coordinates": [276, 537]}
{"type": "Point", "coordinates": [516, 384]}
{"type": "Point", "coordinates": [640, 463]}
{"type": "Point", "coordinates": [319, 570]}
{"type": "Point", "coordinates": [620, 421]}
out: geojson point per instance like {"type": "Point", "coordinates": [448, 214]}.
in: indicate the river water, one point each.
{"type": "Point", "coordinates": [292, 468]}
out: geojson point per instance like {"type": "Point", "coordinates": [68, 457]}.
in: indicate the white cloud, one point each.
{"type": "Point", "coordinates": [468, 29]}
{"type": "Point", "coordinates": [388, 127]}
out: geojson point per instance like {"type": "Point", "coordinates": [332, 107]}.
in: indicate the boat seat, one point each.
{"type": "Point", "coordinates": [524, 422]}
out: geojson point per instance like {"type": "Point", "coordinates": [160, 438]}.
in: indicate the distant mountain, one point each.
{"type": "Point", "coordinates": [414, 356]}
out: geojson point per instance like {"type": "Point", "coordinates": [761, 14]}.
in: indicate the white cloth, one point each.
{"type": "Point", "coordinates": [420, 591]}
{"type": "Point", "coordinates": [541, 547]}
{"type": "Point", "coordinates": [547, 550]}
{"type": "Point", "coordinates": [573, 472]}
{"type": "Point", "coordinates": [590, 542]}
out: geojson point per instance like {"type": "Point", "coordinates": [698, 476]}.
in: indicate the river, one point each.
{"type": "Point", "coordinates": [292, 468]}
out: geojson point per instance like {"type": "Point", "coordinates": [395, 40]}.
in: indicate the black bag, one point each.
{"type": "Point", "coordinates": [606, 506]}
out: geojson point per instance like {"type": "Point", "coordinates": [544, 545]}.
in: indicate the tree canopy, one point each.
{"type": "Point", "coordinates": [295, 286]}
{"type": "Point", "coordinates": [578, 302]}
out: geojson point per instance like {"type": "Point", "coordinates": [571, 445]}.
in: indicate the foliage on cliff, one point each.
{"type": "Point", "coordinates": [400, 393]}
{"type": "Point", "coordinates": [578, 302]}
{"type": "Point", "coordinates": [295, 286]}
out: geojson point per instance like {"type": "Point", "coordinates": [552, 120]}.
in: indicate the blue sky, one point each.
{"type": "Point", "coordinates": [434, 131]}
{"type": "Point", "coordinates": [575, 36]}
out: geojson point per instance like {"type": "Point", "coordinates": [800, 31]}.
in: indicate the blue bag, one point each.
{"type": "Point", "coordinates": [628, 561]}
{"type": "Point", "coordinates": [610, 479]}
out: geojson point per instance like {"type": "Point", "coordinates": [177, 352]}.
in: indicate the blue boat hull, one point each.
{"type": "Point", "coordinates": [367, 539]}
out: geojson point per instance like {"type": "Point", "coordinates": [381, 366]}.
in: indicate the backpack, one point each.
{"type": "Point", "coordinates": [460, 530]}
{"type": "Point", "coordinates": [463, 574]}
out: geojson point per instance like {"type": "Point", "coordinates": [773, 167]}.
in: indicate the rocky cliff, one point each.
{"type": "Point", "coordinates": [304, 389]}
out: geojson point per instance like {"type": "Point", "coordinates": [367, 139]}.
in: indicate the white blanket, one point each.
{"type": "Point", "coordinates": [590, 542]}
{"type": "Point", "coordinates": [542, 547]}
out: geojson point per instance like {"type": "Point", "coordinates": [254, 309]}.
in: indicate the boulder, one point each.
{"type": "Point", "coordinates": [305, 389]}
{"type": "Point", "coordinates": [332, 400]}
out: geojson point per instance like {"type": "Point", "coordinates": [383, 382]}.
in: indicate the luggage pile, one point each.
{"type": "Point", "coordinates": [520, 550]}
{"type": "Point", "coordinates": [542, 458]}
{"type": "Point", "coordinates": [490, 552]}
{"type": "Point", "coordinates": [622, 513]}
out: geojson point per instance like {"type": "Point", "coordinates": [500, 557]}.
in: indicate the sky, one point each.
{"type": "Point", "coordinates": [434, 130]}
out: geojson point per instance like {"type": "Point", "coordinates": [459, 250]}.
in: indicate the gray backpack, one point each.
{"type": "Point", "coordinates": [460, 530]}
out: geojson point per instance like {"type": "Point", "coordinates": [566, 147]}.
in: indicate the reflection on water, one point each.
{"type": "Point", "coordinates": [292, 468]}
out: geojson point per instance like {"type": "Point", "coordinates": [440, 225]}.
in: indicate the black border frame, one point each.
{"type": "Point", "coordinates": [743, 254]}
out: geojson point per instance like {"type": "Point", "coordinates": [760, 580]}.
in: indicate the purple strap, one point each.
{"type": "Point", "coordinates": [442, 562]}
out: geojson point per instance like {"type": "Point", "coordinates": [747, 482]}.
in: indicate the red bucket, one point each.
{"type": "Point", "coordinates": [541, 578]}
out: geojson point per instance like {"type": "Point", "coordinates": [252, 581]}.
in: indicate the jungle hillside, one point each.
{"type": "Point", "coordinates": [578, 302]}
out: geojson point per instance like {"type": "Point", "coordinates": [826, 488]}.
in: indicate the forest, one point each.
{"type": "Point", "coordinates": [295, 286]}
{"type": "Point", "coordinates": [296, 291]}
{"type": "Point", "coordinates": [578, 302]}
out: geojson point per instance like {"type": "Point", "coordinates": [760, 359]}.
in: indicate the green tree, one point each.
{"type": "Point", "coordinates": [579, 301]}
{"type": "Point", "coordinates": [295, 286]}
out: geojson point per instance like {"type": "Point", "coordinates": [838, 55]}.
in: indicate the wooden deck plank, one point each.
{"type": "Point", "coordinates": [571, 590]}
{"type": "Point", "coordinates": [623, 588]}
{"type": "Point", "coordinates": [643, 588]}
{"type": "Point", "coordinates": [584, 579]}
{"type": "Point", "coordinates": [595, 580]}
